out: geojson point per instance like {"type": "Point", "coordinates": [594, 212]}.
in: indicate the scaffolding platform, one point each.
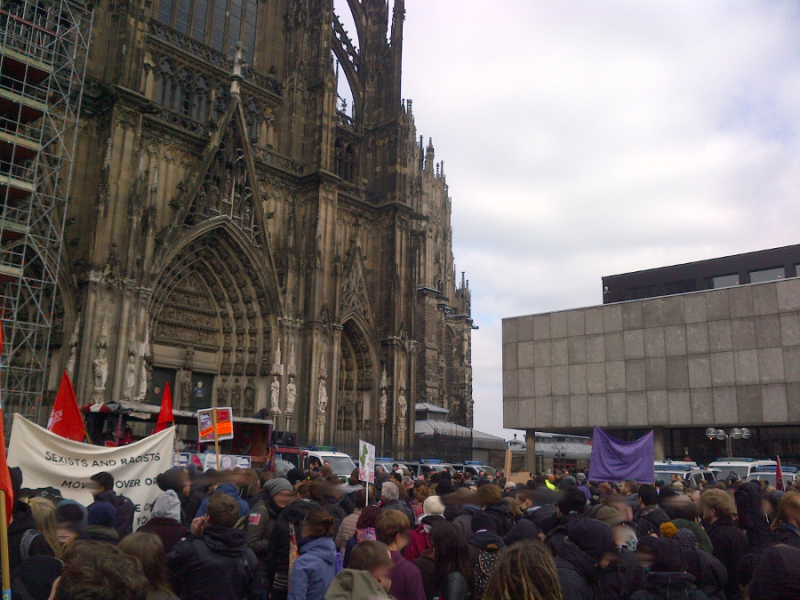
{"type": "Point", "coordinates": [43, 49]}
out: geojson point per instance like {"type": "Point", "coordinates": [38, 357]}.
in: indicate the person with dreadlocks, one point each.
{"type": "Point", "coordinates": [525, 571]}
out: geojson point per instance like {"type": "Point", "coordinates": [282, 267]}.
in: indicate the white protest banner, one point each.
{"type": "Point", "coordinates": [366, 462]}
{"type": "Point", "coordinates": [48, 460]}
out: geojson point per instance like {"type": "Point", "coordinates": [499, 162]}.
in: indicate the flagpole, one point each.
{"type": "Point", "coordinates": [6, 570]}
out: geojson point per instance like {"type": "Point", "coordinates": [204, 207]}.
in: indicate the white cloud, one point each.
{"type": "Point", "coordinates": [587, 139]}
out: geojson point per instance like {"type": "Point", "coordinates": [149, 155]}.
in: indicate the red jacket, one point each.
{"type": "Point", "coordinates": [418, 543]}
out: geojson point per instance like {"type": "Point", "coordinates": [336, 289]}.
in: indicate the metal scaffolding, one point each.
{"type": "Point", "coordinates": [43, 50]}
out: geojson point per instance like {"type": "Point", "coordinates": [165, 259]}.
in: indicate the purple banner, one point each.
{"type": "Point", "coordinates": [615, 460]}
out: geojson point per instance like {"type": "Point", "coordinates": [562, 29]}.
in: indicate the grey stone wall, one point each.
{"type": "Point", "coordinates": [718, 357]}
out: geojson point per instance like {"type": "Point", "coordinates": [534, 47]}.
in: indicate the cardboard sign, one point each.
{"type": "Point", "coordinates": [366, 462]}
{"type": "Point", "coordinates": [205, 424]}
{"type": "Point", "coordinates": [227, 462]}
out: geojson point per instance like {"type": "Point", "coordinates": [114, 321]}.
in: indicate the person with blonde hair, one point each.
{"type": "Point", "coordinates": [730, 542]}
{"type": "Point", "coordinates": [525, 571]}
{"type": "Point", "coordinates": [786, 526]}
{"type": "Point", "coordinates": [44, 515]}
{"type": "Point", "coordinates": [148, 548]}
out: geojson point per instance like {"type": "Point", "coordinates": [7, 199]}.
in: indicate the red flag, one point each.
{"type": "Point", "coordinates": [5, 476]}
{"type": "Point", "coordinates": [779, 485]}
{"type": "Point", "coordinates": [66, 419]}
{"type": "Point", "coordinates": [165, 414]}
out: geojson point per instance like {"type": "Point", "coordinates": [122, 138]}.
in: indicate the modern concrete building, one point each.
{"type": "Point", "coordinates": [676, 364]}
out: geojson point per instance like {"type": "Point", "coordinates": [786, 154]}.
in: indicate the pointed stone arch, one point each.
{"type": "Point", "coordinates": [222, 189]}
{"type": "Point", "coordinates": [212, 300]}
{"type": "Point", "coordinates": [356, 410]}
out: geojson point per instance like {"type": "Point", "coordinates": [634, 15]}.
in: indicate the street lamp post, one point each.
{"type": "Point", "coordinates": [735, 434]}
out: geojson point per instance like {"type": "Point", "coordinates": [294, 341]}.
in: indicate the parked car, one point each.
{"type": "Point", "coordinates": [769, 474]}
{"type": "Point", "coordinates": [739, 467]}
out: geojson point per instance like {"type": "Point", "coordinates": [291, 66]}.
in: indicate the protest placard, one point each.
{"type": "Point", "coordinates": [205, 424]}
{"type": "Point", "coordinates": [48, 460]}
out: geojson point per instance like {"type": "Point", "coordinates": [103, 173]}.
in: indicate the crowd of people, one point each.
{"type": "Point", "coordinates": [250, 535]}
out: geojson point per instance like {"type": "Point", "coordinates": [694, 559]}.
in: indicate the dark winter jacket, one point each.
{"type": "Point", "coordinates": [622, 578]}
{"type": "Point", "coordinates": [193, 502]}
{"type": "Point", "coordinates": [730, 544]}
{"type": "Point", "coordinates": [648, 520]}
{"type": "Point", "coordinates": [99, 533]}
{"type": "Point", "coordinates": [215, 566]}
{"type": "Point", "coordinates": [524, 529]}
{"type": "Point", "coordinates": [401, 506]}
{"type": "Point", "coordinates": [501, 517]}
{"type": "Point", "coordinates": [168, 530]}
{"type": "Point", "coordinates": [669, 586]}
{"type": "Point", "coordinates": [709, 573]}
{"type": "Point", "coordinates": [277, 559]}
{"type": "Point", "coordinates": [124, 509]}
{"type": "Point", "coordinates": [230, 490]}
{"type": "Point", "coordinates": [788, 534]}
{"type": "Point", "coordinates": [455, 587]}
{"type": "Point", "coordinates": [314, 570]}
{"type": "Point", "coordinates": [427, 569]}
{"type": "Point", "coordinates": [406, 579]}
{"type": "Point", "coordinates": [259, 529]}
{"type": "Point", "coordinates": [23, 521]}
{"type": "Point", "coordinates": [578, 573]}
{"type": "Point", "coordinates": [556, 531]}
{"type": "Point", "coordinates": [463, 520]}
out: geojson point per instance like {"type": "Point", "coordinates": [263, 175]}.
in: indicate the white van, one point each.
{"type": "Point", "coordinates": [741, 467]}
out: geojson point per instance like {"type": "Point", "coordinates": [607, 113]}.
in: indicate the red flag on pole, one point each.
{"type": "Point", "coordinates": [5, 476]}
{"type": "Point", "coordinates": [779, 485]}
{"type": "Point", "coordinates": [66, 419]}
{"type": "Point", "coordinates": [165, 414]}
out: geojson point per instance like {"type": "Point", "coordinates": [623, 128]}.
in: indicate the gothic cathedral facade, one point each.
{"type": "Point", "coordinates": [236, 232]}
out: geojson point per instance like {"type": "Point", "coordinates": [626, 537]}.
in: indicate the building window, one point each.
{"type": "Point", "coordinates": [648, 291]}
{"type": "Point", "coordinates": [723, 281]}
{"type": "Point", "coordinates": [767, 275]}
{"type": "Point", "coordinates": [216, 23]}
{"type": "Point", "coordinates": [679, 287]}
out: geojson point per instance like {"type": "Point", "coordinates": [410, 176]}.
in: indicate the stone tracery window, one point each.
{"type": "Point", "coordinates": [216, 23]}
{"type": "Point", "coordinates": [200, 106]}
{"type": "Point", "coordinates": [166, 83]}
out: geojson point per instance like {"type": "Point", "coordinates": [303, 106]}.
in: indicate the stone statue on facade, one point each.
{"type": "Point", "coordinates": [100, 365]}
{"type": "Point", "coordinates": [383, 406]}
{"type": "Point", "coordinates": [130, 373]}
{"type": "Point", "coordinates": [291, 396]}
{"type": "Point", "coordinates": [275, 396]}
{"type": "Point", "coordinates": [73, 349]}
{"type": "Point", "coordinates": [402, 408]}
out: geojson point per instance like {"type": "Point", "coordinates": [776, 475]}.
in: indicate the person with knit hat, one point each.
{"type": "Point", "coordinates": [177, 479]}
{"type": "Point", "coordinates": [582, 556]}
{"type": "Point", "coordinates": [165, 520]}
{"type": "Point", "coordinates": [419, 536]}
{"type": "Point", "coordinates": [278, 494]}
{"type": "Point", "coordinates": [101, 518]}
{"type": "Point", "coordinates": [71, 520]}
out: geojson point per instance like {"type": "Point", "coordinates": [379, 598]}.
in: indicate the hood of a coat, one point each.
{"type": "Point", "coordinates": [351, 584]}
{"type": "Point", "coordinates": [322, 548]}
{"type": "Point", "coordinates": [487, 541]}
{"type": "Point", "coordinates": [230, 490]}
{"type": "Point", "coordinates": [224, 540]}
{"type": "Point", "coordinates": [297, 510]}
{"type": "Point", "coordinates": [570, 556]}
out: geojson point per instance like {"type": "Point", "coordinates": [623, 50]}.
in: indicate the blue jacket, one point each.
{"type": "Point", "coordinates": [230, 489]}
{"type": "Point", "coordinates": [314, 570]}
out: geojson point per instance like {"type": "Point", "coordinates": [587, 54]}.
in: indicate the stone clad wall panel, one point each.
{"type": "Point", "coordinates": [719, 357]}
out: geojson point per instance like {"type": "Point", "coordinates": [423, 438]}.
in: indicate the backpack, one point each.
{"type": "Point", "coordinates": [25, 543]}
{"type": "Point", "coordinates": [485, 565]}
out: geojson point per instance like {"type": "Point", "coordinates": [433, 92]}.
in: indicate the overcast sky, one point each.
{"type": "Point", "coordinates": [584, 139]}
